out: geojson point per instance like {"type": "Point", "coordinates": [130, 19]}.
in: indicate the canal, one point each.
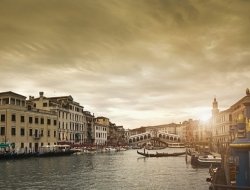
{"type": "Point", "coordinates": [105, 171]}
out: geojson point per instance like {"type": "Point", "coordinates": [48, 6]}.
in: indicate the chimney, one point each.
{"type": "Point", "coordinates": [41, 94]}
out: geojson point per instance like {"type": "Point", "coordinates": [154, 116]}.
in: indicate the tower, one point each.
{"type": "Point", "coordinates": [215, 109]}
{"type": "Point", "coordinates": [215, 112]}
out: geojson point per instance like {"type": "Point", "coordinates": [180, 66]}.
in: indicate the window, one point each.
{"type": "Point", "coordinates": [41, 132]}
{"type": "Point", "coordinates": [54, 133]}
{"type": "Point", "coordinates": [13, 117]}
{"type": "Point", "coordinates": [54, 122]}
{"type": "Point", "coordinates": [2, 131]}
{"type": "Point", "coordinates": [30, 132]}
{"type": "Point", "coordinates": [22, 145]}
{"type": "Point", "coordinates": [18, 102]}
{"type": "Point", "coordinates": [2, 118]}
{"type": "Point", "coordinates": [30, 120]}
{"type": "Point", "coordinates": [13, 131]}
{"type": "Point", "coordinates": [12, 101]}
{"type": "Point", "coordinates": [22, 119]}
{"type": "Point", "coordinates": [42, 120]}
{"type": "Point", "coordinates": [22, 132]}
{"type": "Point", "coordinates": [48, 133]}
{"type": "Point", "coordinates": [48, 121]}
{"type": "Point", "coordinates": [5, 101]}
{"type": "Point", "coordinates": [45, 104]}
{"type": "Point", "coordinates": [36, 120]}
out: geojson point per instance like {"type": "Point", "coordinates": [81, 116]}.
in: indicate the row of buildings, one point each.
{"type": "Point", "coordinates": [217, 133]}
{"type": "Point", "coordinates": [30, 124]}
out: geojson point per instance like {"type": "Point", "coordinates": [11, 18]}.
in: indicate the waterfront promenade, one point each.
{"type": "Point", "coordinates": [105, 171]}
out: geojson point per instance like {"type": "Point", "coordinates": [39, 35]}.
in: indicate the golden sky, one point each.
{"type": "Point", "coordinates": [137, 62]}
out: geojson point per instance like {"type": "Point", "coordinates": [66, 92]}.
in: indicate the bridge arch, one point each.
{"type": "Point", "coordinates": [156, 138]}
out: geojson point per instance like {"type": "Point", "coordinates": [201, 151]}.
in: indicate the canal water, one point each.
{"type": "Point", "coordinates": [104, 171]}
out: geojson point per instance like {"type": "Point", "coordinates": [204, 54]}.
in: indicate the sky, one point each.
{"type": "Point", "coordinates": [137, 62]}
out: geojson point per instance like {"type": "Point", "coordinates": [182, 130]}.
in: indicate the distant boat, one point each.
{"type": "Point", "coordinates": [157, 154]}
{"type": "Point", "coordinates": [111, 149]}
{"type": "Point", "coordinates": [78, 151]}
{"type": "Point", "coordinates": [176, 145]}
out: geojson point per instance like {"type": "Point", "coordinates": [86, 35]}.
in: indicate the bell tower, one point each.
{"type": "Point", "coordinates": [215, 110]}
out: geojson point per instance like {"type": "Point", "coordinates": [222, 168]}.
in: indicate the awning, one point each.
{"type": "Point", "coordinates": [4, 145]}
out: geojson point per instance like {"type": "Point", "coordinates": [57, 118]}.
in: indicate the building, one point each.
{"type": "Point", "coordinates": [202, 134]}
{"type": "Point", "coordinates": [100, 134]}
{"type": "Point", "coordinates": [224, 122]}
{"type": "Point", "coordinates": [90, 119]}
{"type": "Point", "coordinates": [72, 123]}
{"type": "Point", "coordinates": [188, 128]}
{"type": "Point", "coordinates": [121, 140]}
{"type": "Point", "coordinates": [24, 126]}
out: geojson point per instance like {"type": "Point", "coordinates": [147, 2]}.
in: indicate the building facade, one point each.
{"type": "Point", "coordinates": [224, 122]}
{"type": "Point", "coordinates": [72, 123]}
{"type": "Point", "coordinates": [100, 134]}
{"type": "Point", "coordinates": [25, 127]}
{"type": "Point", "coordinates": [90, 136]}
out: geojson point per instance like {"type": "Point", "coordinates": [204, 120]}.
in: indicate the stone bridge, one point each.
{"type": "Point", "coordinates": [155, 136]}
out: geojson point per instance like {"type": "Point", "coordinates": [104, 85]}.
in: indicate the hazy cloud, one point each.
{"type": "Point", "coordinates": [137, 62]}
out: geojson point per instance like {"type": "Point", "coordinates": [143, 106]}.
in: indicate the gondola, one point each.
{"type": "Point", "coordinates": [157, 154]}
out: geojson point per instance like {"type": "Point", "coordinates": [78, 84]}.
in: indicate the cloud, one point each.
{"type": "Point", "coordinates": [136, 62]}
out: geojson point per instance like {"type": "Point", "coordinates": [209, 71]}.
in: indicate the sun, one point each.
{"type": "Point", "coordinates": [204, 117]}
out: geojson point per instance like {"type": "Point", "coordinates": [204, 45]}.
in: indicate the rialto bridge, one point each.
{"type": "Point", "coordinates": [154, 137]}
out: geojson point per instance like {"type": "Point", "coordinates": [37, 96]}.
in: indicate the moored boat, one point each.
{"type": "Point", "coordinates": [205, 160]}
{"type": "Point", "coordinates": [55, 150]}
